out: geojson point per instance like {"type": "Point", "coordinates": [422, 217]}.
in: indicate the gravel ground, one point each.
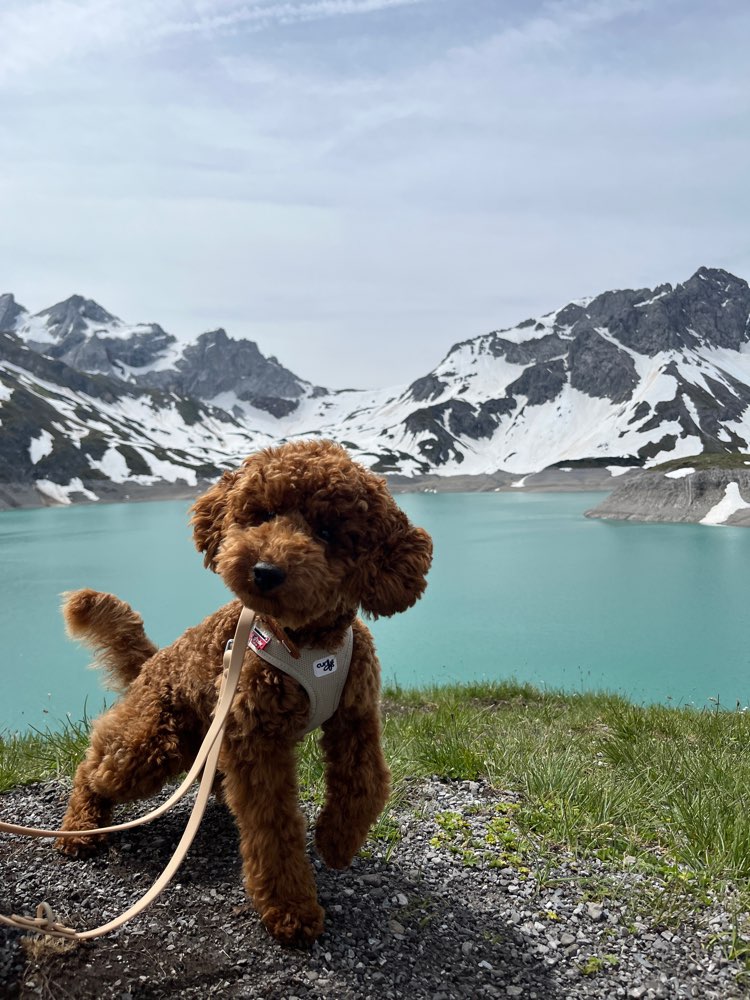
{"type": "Point", "coordinates": [432, 915]}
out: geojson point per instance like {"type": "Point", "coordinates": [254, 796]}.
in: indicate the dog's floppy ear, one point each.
{"type": "Point", "coordinates": [395, 572]}
{"type": "Point", "coordinates": [207, 519]}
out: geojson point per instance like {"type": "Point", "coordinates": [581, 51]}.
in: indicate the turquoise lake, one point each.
{"type": "Point", "coordinates": [523, 586]}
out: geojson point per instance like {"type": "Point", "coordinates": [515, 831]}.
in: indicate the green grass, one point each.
{"type": "Point", "coordinates": [594, 772]}
{"type": "Point", "coordinates": [707, 460]}
{"type": "Point", "coordinates": [39, 755]}
{"type": "Point", "coordinates": [666, 790]}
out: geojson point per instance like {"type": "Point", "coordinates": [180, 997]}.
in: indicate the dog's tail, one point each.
{"type": "Point", "coordinates": [112, 629]}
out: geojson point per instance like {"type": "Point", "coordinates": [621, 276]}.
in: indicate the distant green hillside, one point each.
{"type": "Point", "coordinates": [707, 460]}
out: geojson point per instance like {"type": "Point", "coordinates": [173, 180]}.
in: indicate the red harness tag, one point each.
{"type": "Point", "coordinates": [258, 640]}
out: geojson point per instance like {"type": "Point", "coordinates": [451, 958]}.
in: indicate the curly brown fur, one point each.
{"type": "Point", "coordinates": [112, 629]}
{"type": "Point", "coordinates": [335, 541]}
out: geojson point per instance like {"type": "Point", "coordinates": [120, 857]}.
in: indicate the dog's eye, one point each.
{"type": "Point", "coordinates": [265, 515]}
{"type": "Point", "coordinates": [324, 534]}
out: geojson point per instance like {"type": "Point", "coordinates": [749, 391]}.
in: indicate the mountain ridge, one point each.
{"type": "Point", "coordinates": [626, 377]}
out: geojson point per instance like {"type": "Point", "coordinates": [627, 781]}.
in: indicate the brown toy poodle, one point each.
{"type": "Point", "coordinates": [305, 537]}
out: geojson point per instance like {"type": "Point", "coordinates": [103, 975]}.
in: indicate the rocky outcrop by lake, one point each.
{"type": "Point", "coordinates": [706, 496]}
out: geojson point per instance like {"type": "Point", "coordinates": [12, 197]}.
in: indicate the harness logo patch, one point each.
{"type": "Point", "coordinates": [325, 667]}
{"type": "Point", "coordinates": [257, 639]}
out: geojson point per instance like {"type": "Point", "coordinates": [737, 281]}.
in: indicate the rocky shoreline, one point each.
{"type": "Point", "coordinates": [20, 496]}
{"type": "Point", "coordinates": [25, 496]}
{"type": "Point", "coordinates": [715, 496]}
{"type": "Point", "coordinates": [568, 479]}
{"type": "Point", "coordinates": [414, 917]}
{"type": "Point", "coordinates": [698, 496]}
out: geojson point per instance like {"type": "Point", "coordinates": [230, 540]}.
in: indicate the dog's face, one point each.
{"type": "Point", "coordinates": [301, 532]}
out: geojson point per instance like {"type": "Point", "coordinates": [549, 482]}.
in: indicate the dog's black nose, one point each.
{"type": "Point", "coordinates": [267, 576]}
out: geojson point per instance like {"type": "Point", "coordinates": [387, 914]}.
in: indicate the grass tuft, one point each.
{"type": "Point", "coordinates": [42, 754]}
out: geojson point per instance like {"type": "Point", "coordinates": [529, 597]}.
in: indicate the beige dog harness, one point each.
{"type": "Point", "coordinates": [321, 673]}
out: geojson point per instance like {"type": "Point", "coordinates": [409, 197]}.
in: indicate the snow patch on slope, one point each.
{"type": "Point", "coordinates": [34, 328]}
{"type": "Point", "coordinates": [60, 494]}
{"type": "Point", "coordinates": [529, 331]}
{"type": "Point", "coordinates": [112, 464]}
{"type": "Point", "coordinates": [166, 471]}
{"type": "Point", "coordinates": [730, 503]}
{"type": "Point", "coordinates": [40, 447]}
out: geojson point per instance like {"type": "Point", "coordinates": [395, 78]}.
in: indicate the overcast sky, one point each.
{"type": "Point", "coordinates": [359, 184]}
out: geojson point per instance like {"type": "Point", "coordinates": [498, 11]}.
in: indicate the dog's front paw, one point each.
{"type": "Point", "coordinates": [301, 923]}
{"type": "Point", "coordinates": [80, 847]}
{"type": "Point", "coordinates": [335, 844]}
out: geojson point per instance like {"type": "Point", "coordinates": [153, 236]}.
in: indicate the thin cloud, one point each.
{"type": "Point", "coordinates": [557, 23]}
{"type": "Point", "coordinates": [37, 36]}
{"type": "Point", "coordinates": [262, 15]}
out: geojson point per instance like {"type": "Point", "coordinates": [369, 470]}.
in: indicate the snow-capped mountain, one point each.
{"type": "Point", "coordinates": [627, 378]}
{"type": "Point", "coordinates": [631, 377]}
{"type": "Point", "coordinates": [86, 336]}
{"type": "Point", "coordinates": [81, 333]}
{"type": "Point", "coordinates": [635, 376]}
{"type": "Point", "coordinates": [69, 431]}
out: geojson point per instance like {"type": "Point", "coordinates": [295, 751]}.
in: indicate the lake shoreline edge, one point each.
{"type": "Point", "coordinates": [27, 496]}
{"type": "Point", "coordinates": [712, 496]}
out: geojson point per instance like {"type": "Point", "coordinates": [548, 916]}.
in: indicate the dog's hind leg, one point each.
{"type": "Point", "coordinates": [111, 628]}
{"type": "Point", "coordinates": [136, 747]}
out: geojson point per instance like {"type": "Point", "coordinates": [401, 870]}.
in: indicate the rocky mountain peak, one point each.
{"type": "Point", "coordinates": [707, 309]}
{"type": "Point", "coordinates": [73, 315]}
{"type": "Point", "coordinates": [718, 277]}
{"type": "Point", "coordinates": [217, 336]}
{"type": "Point", "coordinates": [216, 363]}
{"type": "Point", "coordinates": [10, 311]}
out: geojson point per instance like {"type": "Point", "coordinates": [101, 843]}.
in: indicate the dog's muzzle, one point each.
{"type": "Point", "coordinates": [267, 577]}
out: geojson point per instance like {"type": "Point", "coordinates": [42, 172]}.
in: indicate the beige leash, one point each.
{"type": "Point", "coordinates": [43, 922]}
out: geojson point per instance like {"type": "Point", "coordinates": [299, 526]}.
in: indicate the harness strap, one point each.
{"type": "Point", "coordinates": [208, 754]}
